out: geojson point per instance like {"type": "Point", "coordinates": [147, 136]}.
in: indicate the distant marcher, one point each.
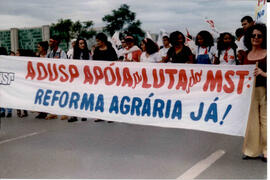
{"type": "Point", "coordinates": [205, 50]}
{"type": "Point", "coordinates": [120, 52]}
{"type": "Point", "coordinates": [3, 51]}
{"type": "Point", "coordinates": [27, 53]}
{"type": "Point", "coordinates": [166, 46]}
{"type": "Point", "coordinates": [11, 53]}
{"type": "Point", "coordinates": [255, 142]}
{"type": "Point", "coordinates": [246, 23]}
{"type": "Point", "coordinates": [70, 51]}
{"type": "Point", "coordinates": [55, 51]}
{"type": "Point", "coordinates": [42, 48]}
{"type": "Point", "coordinates": [132, 52]}
{"type": "Point", "coordinates": [150, 52]}
{"type": "Point", "coordinates": [239, 33]}
{"type": "Point", "coordinates": [178, 53]}
{"type": "Point", "coordinates": [226, 50]}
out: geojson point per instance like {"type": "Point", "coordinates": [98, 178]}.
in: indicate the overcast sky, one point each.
{"type": "Point", "coordinates": [154, 14]}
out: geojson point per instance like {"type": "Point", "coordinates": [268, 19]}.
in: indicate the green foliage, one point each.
{"type": "Point", "coordinates": [123, 20]}
{"type": "Point", "coordinates": [84, 29]}
{"type": "Point", "coordinates": [62, 29]}
{"type": "Point", "coordinates": [66, 29]}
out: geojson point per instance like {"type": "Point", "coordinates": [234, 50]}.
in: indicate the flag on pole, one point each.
{"type": "Point", "coordinates": [115, 39]}
{"type": "Point", "coordinates": [260, 12]}
{"type": "Point", "coordinates": [148, 35]}
{"type": "Point", "coordinates": [212, 25]}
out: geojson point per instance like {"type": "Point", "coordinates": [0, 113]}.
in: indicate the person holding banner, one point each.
{"type": "Point", "coordinates": [226, 50]}
{"type": "Point", "coordinates": [56, 53]}
{"type": "Point", "coordinates": [150, 51]}
{"type": "Point", "coordinates": [132, 52]}
{"type": "Point", "coordinates": [206, 52]}
{"type": "Point", "coordinates": [255, 142]}
{"type": "Point", "coordinates": [178, 53]}
{"type": "Point", "coordinates": [3, 51]}
{"type": "Point", "coordinates": [104, 50]}
{"type": "Point", "coordinates": [80, 52]}
{"type": "Point", "coordinates": [42, 48]}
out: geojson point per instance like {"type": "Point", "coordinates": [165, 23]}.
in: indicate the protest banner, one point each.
{"type": "Point", "coordinates": [209, 98]}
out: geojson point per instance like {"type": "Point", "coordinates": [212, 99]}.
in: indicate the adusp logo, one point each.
{"type": "Point", "coordinates": [6, 78]}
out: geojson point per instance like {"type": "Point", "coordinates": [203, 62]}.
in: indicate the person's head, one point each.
{"type": "Point", "coordinates": [123, 43]}
{"type": "Point", "coordinates": [256, 36]}
{"type": "Point", "coordinates": [225, 41]}
{"type": "Point", "coordinates": [81, 44]}
{"type": "Point", "coordinates": [3, 51]}
{"type": "Point", "coordinates": [54, 41]}
{"type": "Point", "coordinates": [73, 42]}
{"type": "Point", "coordinates": [149, 46]}
{"type": "Point", "coordinates": [204, 38]}
{"type": "Point", "coordinates": [81, 47]}
{"type": "Point", "coordinates": [42, 46]}
{"type": "Point", "coordinates": [11, 53]}
{"type": "Point", "coordinates": [19, 52]}
{"type": "Point", "coordinates": [239, 33]}
{"type": "Point", "coordinates": [247, 22]}
{"type": "Point", "coordinates": [177, 38]}
{"type": "Point", "coordinates": [101, 39]}
{"type": "Point", "coordinates": [166, 41]}
{"type": "Point", "coordinates": [130, 41]}
{"type": "Point", "coordinates": [25, 52]}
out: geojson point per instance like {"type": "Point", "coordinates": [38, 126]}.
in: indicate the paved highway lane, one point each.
{"type": "Point", "coordinates": [34, 148]}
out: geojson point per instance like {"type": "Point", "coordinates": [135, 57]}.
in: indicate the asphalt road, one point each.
{"type": "Point", "coordinates": [34, 148]}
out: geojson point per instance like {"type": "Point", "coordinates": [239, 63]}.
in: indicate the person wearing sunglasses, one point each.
{"type": "Point", "coordinates": [255, 142]}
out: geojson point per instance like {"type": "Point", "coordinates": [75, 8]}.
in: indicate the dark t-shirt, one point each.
{"type": "Point", "coordinates": [181, 57]}
{"type": "Point", "coordinates": [107, 55]}
{"type": "Point", "coordinates": [262, 64]}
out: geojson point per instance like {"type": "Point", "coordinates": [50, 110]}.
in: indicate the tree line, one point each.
{"type": "Point", "coordinates": [121, 19]}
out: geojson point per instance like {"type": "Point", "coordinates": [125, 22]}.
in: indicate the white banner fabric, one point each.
{"type": "Point", "coordinates": [209, 98]}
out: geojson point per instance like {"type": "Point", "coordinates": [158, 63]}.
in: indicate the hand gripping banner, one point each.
{"type": "Point", "coordinates": [209, 98]}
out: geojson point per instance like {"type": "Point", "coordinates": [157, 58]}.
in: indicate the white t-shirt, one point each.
{"type": "Point", "coordinates": [153, 58]}
{"type": "Point", "coordinates": [70, 53]}
{"type": "Point", "coordinates": [230, 58]}
{"type": "Point", "coordinates": [241, 45]}
{"type": "Point", "coordinates": [163, 51]}
{"type": "Point", "coordinates": [211, 53]}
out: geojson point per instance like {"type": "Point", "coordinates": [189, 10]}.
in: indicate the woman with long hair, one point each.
{"type": "Point", "coordinates": [179, 52]}
{"type": "Point", "coordinates": [226, 50]}
{"type": "Point", "coordinates": [150, 51]}
{"type": "Point", "coordinates": [205, 53]}
{"type": "Point", "coordinates": [80, 52]}
{"type": "Point", "coordinates": [255, 142]}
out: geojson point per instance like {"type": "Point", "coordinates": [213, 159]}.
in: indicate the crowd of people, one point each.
{"type": "Point", "coordinates": [247, 46]}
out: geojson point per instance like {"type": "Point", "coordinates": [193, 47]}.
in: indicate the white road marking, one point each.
{"type": "Point", "coordinates": [202, 165]}
{"type": "Point", "coordinates": [20, 137]}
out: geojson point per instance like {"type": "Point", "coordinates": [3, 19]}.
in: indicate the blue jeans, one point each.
{"type": "Point", "coordinates": [3, 110]}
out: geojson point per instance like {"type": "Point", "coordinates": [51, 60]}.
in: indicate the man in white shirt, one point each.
{"type": "Point", "coordinates": [246, 22]}
{"type": "Point", "coordinates": [166, 46]}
